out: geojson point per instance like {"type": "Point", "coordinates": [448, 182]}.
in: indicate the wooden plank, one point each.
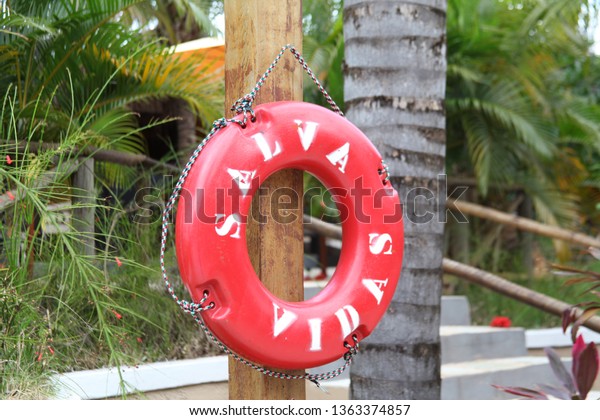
{"type": "Point", "coordinates": [47, 178]}
{"type": "Point", "coordinates": [255, 31]}
{"type": "Point", "coordinates": [100, 155]}
{"type": "Point", "coordinates": [84, 201]}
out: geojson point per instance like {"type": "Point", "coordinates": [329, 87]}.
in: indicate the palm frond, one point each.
{"type": "Point", "coordinates": [116, 129]}
{"type": "Point", "coordinates": [198, 15]}
{"type": "Point", "coordinates": [545, 13]}
{"type": "Point", "coordinates": [479, 143]}
{"type": "Point", "coordinates": [166, 76]}
{"type": "Point", "coordinates": [169, 17]}
{"type": "Point", "coordinates": [464, 74]}
{"type": "Point", "coordinates": [580, 123]}
{"type": "Point", "coordinates": [506, 105]}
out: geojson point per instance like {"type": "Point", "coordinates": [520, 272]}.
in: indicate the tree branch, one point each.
{"type": "Point", "coordinates": [477, 276]}
{"type": "Point", "coordinates": [112, 156]}
{"type": "Point", "coordinates": [523, 223]}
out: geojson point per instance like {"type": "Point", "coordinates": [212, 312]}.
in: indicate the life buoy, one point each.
{"type": "Point", "coordinates": [211, 246]}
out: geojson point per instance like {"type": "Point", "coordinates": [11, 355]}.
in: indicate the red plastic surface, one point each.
{"type": "Point", "coordinates": [211, 236]}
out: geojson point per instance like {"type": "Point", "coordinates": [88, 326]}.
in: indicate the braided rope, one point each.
{"type": "Point", "coordinates": [242, 106]}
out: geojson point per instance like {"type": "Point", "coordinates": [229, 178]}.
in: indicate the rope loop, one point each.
{"type": "Point", "coordinates": [384, 172]}
{"type": "Point", "coordinates": [352, 350]}
{"type": "Point", "coordinates": [244, 104]}
{"type": "Point", "coordinates": [192, 307]}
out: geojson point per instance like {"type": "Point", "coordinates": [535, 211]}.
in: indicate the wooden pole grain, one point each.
{"type": "Point", "coordinates": [255, 31]}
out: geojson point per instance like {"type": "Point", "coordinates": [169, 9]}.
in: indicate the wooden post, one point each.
{"type": "Point", "coordinates": [85, 197]}
{"type": "Point", "coordinates": [255, 31]}
{"type": "Point", "coordinates": [526, 211]}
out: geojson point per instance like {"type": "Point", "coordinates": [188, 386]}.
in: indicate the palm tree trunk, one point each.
{"type": "Point", "coordinates": [394, 91]}
{"type": "Point", "coordinates": [186, 126]}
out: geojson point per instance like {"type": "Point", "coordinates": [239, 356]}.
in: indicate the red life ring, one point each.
{"type": "Point", "coordinates": [211, 245]}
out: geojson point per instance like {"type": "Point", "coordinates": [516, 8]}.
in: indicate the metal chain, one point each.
{"type": "Point", "coordinates": [242, 106]}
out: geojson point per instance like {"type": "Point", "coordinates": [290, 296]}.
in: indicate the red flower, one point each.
{"type": "Point", "coordinates": [321, 276]}
{"type": "Point", "coordinates": [119, 263]}
{"type": "Point", "coordinates": [501, 322]}
{"type": "Point", "coordinates": [118, 315]}
{"type": "Point", "coordinates": [10, 195]}
{"type": "Point", "coordinates": [9, 160]}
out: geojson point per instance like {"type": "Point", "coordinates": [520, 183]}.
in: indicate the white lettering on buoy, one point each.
{"type": "Point", "coordinates": [349, 319]}
{"type": "Point", "coordinates": [230, 222]}
{"type": "Point", "coordinates": [265, 148]}
{"type": "Point", "coordinates": [242, 178]}
{"type": "Point", "coordinates": [340, 156]}
{"type": "Point", "coordinates": [378, 242]}
{"type": "Point", "coordinates": [375, 287]}
{"type": "Point", "coordinates": [315, 334]}
{"type": "Point", "coordinates": [280, 324]}
{"type": "Point", "coordinates": [306, 133]}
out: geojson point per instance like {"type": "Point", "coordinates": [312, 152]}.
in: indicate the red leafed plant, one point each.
{"type": "Point", "coordinates": [575, 385]}
{"type": "Point", "coordinates": [578, 314]}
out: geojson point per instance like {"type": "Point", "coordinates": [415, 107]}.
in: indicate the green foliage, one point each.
{"type": "Point", "coordinates": [323, 48]}
{"type": "Point", "coordinates": [318, 201]}
{"type": "Point", "coordinates": [176, 21]}
{"type": "Point", "coordinates": [510, 106]}
{"type": "Point", "coordinates": [523, 110]}
{"type": "Point", "coordinates": [69, 71]}
{"type": "Point", "coordinates": [485, 305]}
{"type": "Point", "coordinates": [76, 57]}
{"type": "Point", "coordinates": [61, 310]}
{"type": "Point", "coordinates": [501, 110]}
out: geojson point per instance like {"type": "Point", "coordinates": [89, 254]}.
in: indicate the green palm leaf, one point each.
{"type": "Point", "coordinates": [93, 68]}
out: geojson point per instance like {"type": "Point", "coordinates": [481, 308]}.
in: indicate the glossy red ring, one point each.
{"type": "Point", "coordinates": [211, 246]}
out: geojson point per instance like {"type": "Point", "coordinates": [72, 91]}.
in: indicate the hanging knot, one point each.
{"type": "Point", "coordinates": [384, 172]}
{"type": "Point", "coordinates": [243, 104]}
{"type": "Point", "coordinates": [352, 350]}
{"type": "Point", "coordinates": [192, 308]}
